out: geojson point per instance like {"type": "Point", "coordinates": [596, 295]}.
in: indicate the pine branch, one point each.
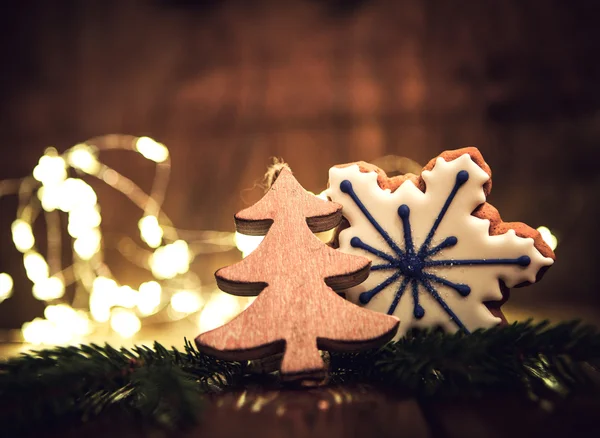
{"type": "Point", "coordinates": [167, 387]}
{"type": "Point", "coordinates": [164, 386]}
{"type": "Point", "coordinates": [529, 356]}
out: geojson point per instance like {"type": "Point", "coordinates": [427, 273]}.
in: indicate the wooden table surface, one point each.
{"type": "Point", "coordinates": [361, 411]}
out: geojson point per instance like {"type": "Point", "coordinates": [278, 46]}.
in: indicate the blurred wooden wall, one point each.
{"type": "Point", "coordinates": [228, 84]}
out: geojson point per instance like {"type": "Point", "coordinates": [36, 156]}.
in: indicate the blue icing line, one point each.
{"type": "Point", "coordinates": [398, 295]}
{"type": "Point", "coordinates": [461, 178]}
{"type": "Point", "coordinates": [346, 187]}
{"type": "Point", "coordinates": [411, 265]}
{"type": "Point", "coordinates": [365, 297]}
{"type": "Point", "coordinates": [521, 261]}
{"type": "Point", "coordinates": [418, 311]}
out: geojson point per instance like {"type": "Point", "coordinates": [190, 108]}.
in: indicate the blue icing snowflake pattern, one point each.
{"type": "Point", "coordinates": [412, 264]}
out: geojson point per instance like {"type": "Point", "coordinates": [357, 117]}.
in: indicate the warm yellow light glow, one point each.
{"type": "Point", "coordinates": [221, 308]}
{"type": "Point", "coordinates": [70, 320]}
{"type": "Point", "coordinates": [249, 302]}
{"type": "Point", "coordinates": [149, 297]}
{"type": "Point", "coordinates": [125, 322]}
{"type": "Point", "coordinates": [35, 266]}
{"type": "Point", "coordinates": [42, 331]}
{"type": "Point", "coordinates": [150, 231]}
{"type": "Point", "coordinates": [83, 157]}
{"type": "Point", "coordinates": [170, 260]}
{"type": "Point", "coordinates": [58, 313]}
{"type": "Point", "coordinates": [104, 285]}
{"type": "Point", "coordinates": [151, 149]}
{"type": "Point", "coordinates": [81, 324]}
{"type": "Point", "coordinates": [37, 331]}
{"type": "Point", "coordinates": [22, 235]}
{"type": "Point", "coordinates": [185, 301]}
{"type": "Point", "coordinates": [103, 296]}
{"type": "Point", "coordinates": [48, 289]}
{"type": "Point", "coordinates": [6, 286]}
{"type": "Point", "coordinates": [548, 237]}
{"type": "Point", "coordinates": [99, 312]}
{"type": "Point", "coordinates": [246, 244]}
{"type": "Point", "coordinates": [82, 219]}
{"type": "Point", "coordinates": [109, 302]}
{"type": "Point", "coordinates": [88, 243]}
{"type": "Point", "coordinates": [126, 297]}
{"type": "Point", "coordinates": [75, 192]}
{"type": "Point", "coordinates": [49, 197]}
{"type": "Point", "coordinates": [326, 236]}
{"type": "Point", "coordinates": [51, 168]}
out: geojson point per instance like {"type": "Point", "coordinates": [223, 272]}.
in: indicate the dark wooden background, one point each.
{"type": "Point", "coordinates": [228, 84]}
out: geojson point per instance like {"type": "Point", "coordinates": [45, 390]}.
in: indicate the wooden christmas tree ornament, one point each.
{"type": "Point", "coordinates": [294, 275]}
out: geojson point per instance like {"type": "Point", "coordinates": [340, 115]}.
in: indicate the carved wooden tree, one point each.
{"type": "Point", "coordinates": [294, 275]}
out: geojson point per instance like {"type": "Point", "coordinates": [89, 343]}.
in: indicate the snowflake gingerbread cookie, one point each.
{"type": "Point", "coordinates": [441, 255]}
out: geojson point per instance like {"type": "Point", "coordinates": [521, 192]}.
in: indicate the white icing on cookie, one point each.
{"type": "Point", "coordinates": [452, 266]}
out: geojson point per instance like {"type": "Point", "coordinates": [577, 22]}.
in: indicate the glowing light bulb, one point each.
{"type": "Point", "coordinates": [75, 193]}
{"type": "Point", "coordinates": [151, 149]}
{"type": "Point", "coordinates": [150, 231]}
{"type": "Point", "coordinates": [22, 235]}
{"type": "Point", "coordinates": [48, 289]}
{"type": "Point", "coordinates": [42, 331]}
{"type": "Point", "coordinates": [548, 237]}
{"type": "Point", "coordinates": [51, 168]}
{"type": "Point", "coordinates": [246, 244]}
{"type": "Point", "coordinates": [6, 286]}
{"type": "Point", "coordinates": [126, 297]}
{"type": "Point", "coordinates": [88, 243]}
{"type": "Point", "coordinates": [36, 331]}
{"type": "Point", "coordinates": [49, 197]}
{"type": "Point", "coordinates": [185, 301]}
{"type": "Point", "coordinates": [35, 266]}
{"type": "Point", "coordinates": [84, 158]}
{"type": "Point", "coordinates": [81, 324]}
{"type": "Point", "coordinates": [125, 322]}
{"type": "Point", "coordinates": [82, 219]}
{"type": "Point", "coordinates": [102, 298]}
{"type": "Point", "coordinates": [220, 309]}
{"type": "Point", "coordinates": [67, 319]}
{"type": "Point", "coordinates": [170, 260]}
{"type": "Point", "coordinates": [59, 314]}
{"type": "Point", "coordinates": [104, 285]}
{"type": "Point", "coordinates": [149, 297]}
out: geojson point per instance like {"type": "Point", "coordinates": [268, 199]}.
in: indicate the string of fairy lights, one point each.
{"type": "Point", "coordinates": [57, 190]}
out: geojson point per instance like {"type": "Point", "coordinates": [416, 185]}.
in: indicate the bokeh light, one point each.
{"type": "Point", "coordinates": [49, 289]}
{"type": "Point", "coordinates": [84, 157]}
{"type": "Point", "coordinates": [51, 168]}
{"type": "Point", "coordinates": [186, 301]}
{"type": "Point", "coordinates": [151, 149]}
{"type": "Point", "coordinates": [125, 322]}
{"type": "Point", "coordinates": [150, 231]}
{"type": "Point", "coordinates": [6, 286]}
{"type": "Point", "coordinates": [170, 260]}
{"type": "Point", "coordinates": [149, 297]}
{"type": "Point", "coordinates": [220, 309]}
{"type": "Point", "coordinates": [548, 237]}
{"type": "Point", "coordinates": [22, 235]}
{"type": "Point", "coordinates": [35, 266]}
